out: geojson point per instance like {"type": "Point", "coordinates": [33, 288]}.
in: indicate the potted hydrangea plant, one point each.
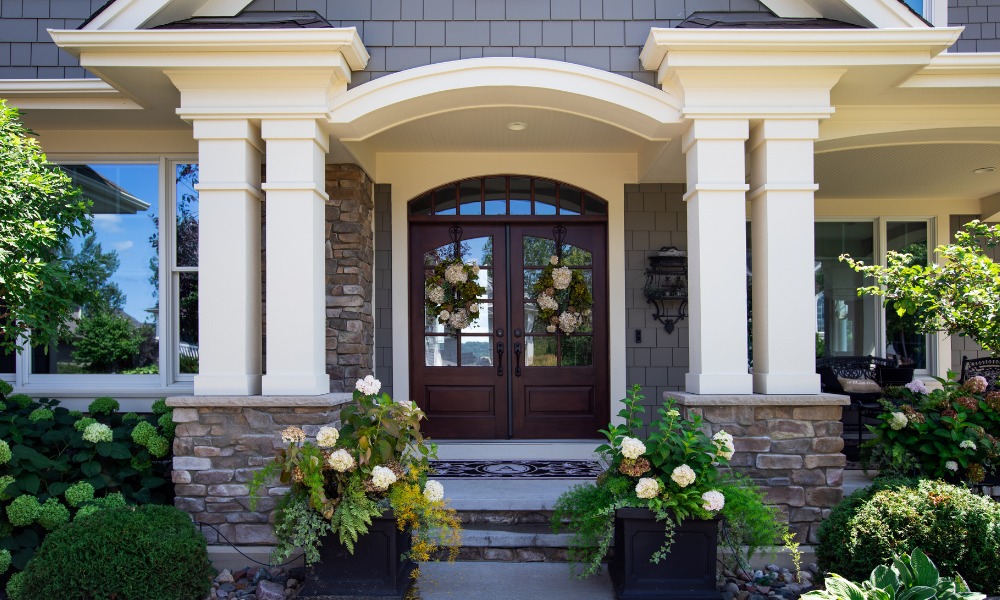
{"type": "Point", "coordinates": [360, 504]}
{"type": "Point", "coordinates": [660, 503]}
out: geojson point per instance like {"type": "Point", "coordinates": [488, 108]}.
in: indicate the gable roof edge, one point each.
{"type": "Point", "coordinates": [135, 14]}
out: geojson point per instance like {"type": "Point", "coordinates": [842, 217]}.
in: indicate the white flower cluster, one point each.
{"type": "Point", "coordinates": [553, 260]}
{"type": "Point", "coordinates": [917, 387]}
{"type": "Point", "coordinates": [713, 500]}
{"type": "Point", "coordinates": [647, 488]}
{"type": "Point", "coordinates": [897, 420]}
{"type": "Point", "coordinates": [683, 476]}
{"type": "Point", "coordinates": [475, 267]}
{"type": "Point", "coordinates": [341, 461]}
{"type": "Point", "coordinates": [569, 321]}
{"type": "Point", "coordinates": [550, 328]}
{"type": "Point", "coordinates": [98, 432]}
{"type": "Point", "coordinates": [433, 491]}
{"type": "Point", "coordinates": [435, 294]}
{"type": "Point", "coordinates": [968, 444]}
{"type": "Point", "coordinates": [561, 278]}
{"type": "Point", "coordinates": [383, 477]}
{"type": "Point", "coordinates": [951, 466]}
{"type": "Point", "coordinates": [458, 319]}
{"type": "Point", "coordinates": [293, 435]}
{"type": "Point", "coordinates": [327, 437]}
{"type": "Point", "coordinates": [632, 448]}
{"type": "Point", "coordinates": [369, 386]}
{"type": "Point", "coordinates": [724, 444]}
{"type": "Point", "coordinates": [456, 274]}
{"type": "Point", "coordinates": [547, 302]}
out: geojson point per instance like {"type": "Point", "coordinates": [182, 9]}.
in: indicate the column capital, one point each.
{"type": "Point", "coordinates": [790, 128]}
{"type": "Point", "coordinates": [236, 128]}
{"type": "Point", "coordinates": [715, 129]}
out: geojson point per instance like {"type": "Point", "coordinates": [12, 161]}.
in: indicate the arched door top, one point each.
{"type": "Point", "coordinates": [507, 196]}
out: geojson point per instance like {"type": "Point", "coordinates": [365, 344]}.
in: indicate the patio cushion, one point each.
{"type": "Point", "coordinates": [859, 386]}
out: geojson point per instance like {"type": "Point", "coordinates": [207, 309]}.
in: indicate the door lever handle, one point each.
{"type": "Point", "coordinates": [499, 359]}
{"type": "Point", "coordinates": [517, 359]}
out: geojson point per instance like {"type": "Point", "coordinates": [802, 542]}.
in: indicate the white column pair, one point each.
{"type": "Point", "coordinates": [230, 190]}
{"type": "Point", "coordinates": [781, 190]}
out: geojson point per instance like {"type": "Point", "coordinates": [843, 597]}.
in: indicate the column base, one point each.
{"type": "Point", "coordinates": [718, 383]}
{"type": "Point", "coordinates": [295, 385]}
{"type": "Point", "coordinates": [227, 385]}
{"type": "Point", "coordinates": [786, 383]}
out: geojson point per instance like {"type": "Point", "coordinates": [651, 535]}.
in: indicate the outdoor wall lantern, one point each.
{"type": "Point", "coordinates": [667, 286]}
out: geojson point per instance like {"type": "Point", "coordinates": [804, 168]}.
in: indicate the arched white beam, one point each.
{"type": "Point", "coordinates": [401, 97]}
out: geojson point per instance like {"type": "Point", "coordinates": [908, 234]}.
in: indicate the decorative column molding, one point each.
{"type": "Point", "coordinates": [782, 227]}
{"type": "Point", "coordinates": [229, 327]}
{"type": "Point", "coordinates": [716, 217]}
{"type": "Point", "coordinates": [296, 299]}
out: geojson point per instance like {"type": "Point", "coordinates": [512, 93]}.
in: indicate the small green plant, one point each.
{"type": "Point", "coordinates": [788, 538]}
{"type": "Point", "coordinates": [130, 553]}
{"type": "Point", "coordinates": [909, 577]}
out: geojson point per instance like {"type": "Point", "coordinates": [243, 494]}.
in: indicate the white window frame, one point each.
{"type": "Point", "coordinates": [135, 391]}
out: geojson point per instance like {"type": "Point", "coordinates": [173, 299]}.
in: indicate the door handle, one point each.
{"type": "Point", "coordinates": [499, 359]}
{"type": "Point", "coordinates": [517, 359]}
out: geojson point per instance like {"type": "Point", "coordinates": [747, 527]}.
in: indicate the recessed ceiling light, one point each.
{"type": "Point", "coordinates": [517, 126]}
{"type": "Point", "coordinates": [982, 170]}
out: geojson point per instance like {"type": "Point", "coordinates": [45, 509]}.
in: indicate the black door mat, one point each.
{"type": "Point", "coordinates": [516, 469]}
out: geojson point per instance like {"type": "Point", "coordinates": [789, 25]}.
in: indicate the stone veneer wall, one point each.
{"type": "Point", "coordinates": [789, 445]}
{"type": "Point", "coordinates": [350, 263]}
{"type": "Point", "coordinates": [221, 441]}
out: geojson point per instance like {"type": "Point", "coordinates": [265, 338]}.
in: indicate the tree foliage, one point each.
{"type": "Point", "coordinates": [107, 342]}
{"type": "Point", "coordinates": [40, 211]}
{"type": "Point", "coordinates": [960, 295]}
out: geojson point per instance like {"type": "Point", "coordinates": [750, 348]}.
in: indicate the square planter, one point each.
{"type": "Point", "coordinates": [375, 570]}
{"type": "Point", "coordinates": [687, 572]}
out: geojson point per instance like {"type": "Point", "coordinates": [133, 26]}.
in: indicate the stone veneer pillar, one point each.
{"type": "Point", "coordinates": [789, 445]}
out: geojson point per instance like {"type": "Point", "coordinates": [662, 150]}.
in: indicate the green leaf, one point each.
{"type": "Point", "coordinates": [884, 578]}
{"type": "Point", "coordinates": [120, 451]}
{"type": "Point", "coordinates": [90, 469]}
{"type": "Point", "coordinates": [30, 483]}
{"type": "Point", "coordinates": [844, 589]}
{"type": "Point", "coordinates": [920, 592]}
{"type": "Point", "coordinates": [923, 568]}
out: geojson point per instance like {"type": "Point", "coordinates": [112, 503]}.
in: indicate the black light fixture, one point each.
{"type": "Point", "coordinates": [667, 286]}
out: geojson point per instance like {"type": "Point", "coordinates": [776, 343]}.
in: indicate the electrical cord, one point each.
{"type": "Point", "coordinates": [219, 533]}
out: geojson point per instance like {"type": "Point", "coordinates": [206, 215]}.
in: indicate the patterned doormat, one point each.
{"type": "Point", "coordinates": [516, 469]}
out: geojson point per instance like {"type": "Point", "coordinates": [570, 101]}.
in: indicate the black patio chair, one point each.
{"type": "Point", "coordinates": [864, 398]}
{"type": "Point", "coordinates": [988, 367]}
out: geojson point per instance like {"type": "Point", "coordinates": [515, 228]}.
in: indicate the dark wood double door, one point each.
{"type": "Point", "coordinates": [506, 375]}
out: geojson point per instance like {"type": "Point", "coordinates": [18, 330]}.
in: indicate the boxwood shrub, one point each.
{"type": "Point", "coordinates": [130, 553]}
{"type": "Point", "coordinates": [959, 530]}
{"type": "Point", "coordinates": [56, 463]}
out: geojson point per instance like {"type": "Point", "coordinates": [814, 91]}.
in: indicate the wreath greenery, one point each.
{"type": "Point", "coordinates": [564, 299]}
{"type": "Point", "coordinates": [451, 293]}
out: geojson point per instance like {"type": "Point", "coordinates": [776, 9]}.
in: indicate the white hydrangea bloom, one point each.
{"type": "Point", "coordinates": [369, 386]}
{"type": "Point", "coordinates": [547, 302]}
{"type": "Point", "coordinates": [293, 435]}
{"type": "Point", "coordinates": [327, 437]}
{"type": "Point", "coordinates": [968, 444]}
{"type": "Point", "coordinates": [951, 466]}
{"type": "Point", "coordinates": [341, 461]}
{"type": "Point", "coordinates": [434, 491]}
{"type": "Point", "coordinates": [456, 274]}
{"type": "Point", "coordinates": [383, 477]}
{"type": "Point", "coordinates": [632, 448]}
{"type": "Point", "coordinates": [459, 319]}
{"type": "Point", "coordinates": [561, 278]}
{"type": "Point", "coordinates": [474, 308]}
{"type": "Point", "coordinates": [554, 260]}
{"type": "Point", "coordinates": [724, 444]}
{"type": "Point", "coordinates": [550, 328]}
{"type": "Point", "coordinates": [683, 476]}
{"type": "Point", "coordinates": [647, 488]}
{"type": "Point", "coordinates": [98, 432]}
{"type": "Point", "coordinates": [897, 420]}
{"type": "Point", "coordinates": [568, 322]}
{"type": "Point", "coordinates": [435, 294]}
{"type": "Point", "coordinates": [475, 267]}
{"type": "Point", "coordinates": [443, 316]}
{"type": "Point", "coordinates": [713, 500]}
{"type": "Point", "coordinates": [917, 387]}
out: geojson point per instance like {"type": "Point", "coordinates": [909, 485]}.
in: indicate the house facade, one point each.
{"type": "Point", "coordinates": [305, 162]}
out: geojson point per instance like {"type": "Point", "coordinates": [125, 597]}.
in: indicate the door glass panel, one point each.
{"type": "Point", "coordinates": [575, 256]}
{"type": "Point", "coordinates": [479, 249]}
{"type": "Point", "coordinates": [570, 201]}
{"type": "Point", "coordinates": [531, 277]}
{"type": "Point", "coordinates": [440, 351]}
{"type": "Point", "coordinates": [482, 323]}
{"type": "Point", "coordinates": [902, 339]}
{"type": "Point", "coordinates": [520, 196]}
{"type": "Point", "coordinates": [538, 251]}
{"type": "Point", "coordinates": [431, 324]}
{"type": "Point", "coordinates": [486, 280]}
{"type": "Point", "coordinates": [531, 322]}
{"type": "Point", "coordinates": [545, 197]}
{"type": "Point", "coordinates": [470, 197]}
{"type": "Point", "coordinates": [444, 201]}
{"type": "Point", "coordinates": [496, 195]}
{"type": "Point", "coordinates": [577, 351]}
{"type": "Point", "coordinates": [477, 351]}
{"type": "Point", "coordinates": [540, 351]}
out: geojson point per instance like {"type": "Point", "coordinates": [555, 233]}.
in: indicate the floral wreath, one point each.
{"type": "Point", "coordinates": [564, 300]}
{"type": "Point", "coordinates": [451, 293]}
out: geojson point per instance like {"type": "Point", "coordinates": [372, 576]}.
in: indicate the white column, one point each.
{"type": "Point", "coordinates": [716, 217]}
{"type": "Point", "coordinates": [296, 299]}
{"type": "Point", "coordinates": [782, 228]}
{"type": "Point", "coordinates": [229, 327]}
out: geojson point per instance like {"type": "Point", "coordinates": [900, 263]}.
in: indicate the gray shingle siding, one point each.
{"type": "Point", "coordinates": [26, 50]}
{"type": "Point", "coordinates": [980, 19]}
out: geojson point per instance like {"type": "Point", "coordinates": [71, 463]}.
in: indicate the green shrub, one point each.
{"type": "Point", "coordinates": [131, 553]}
{"type": "Point", "coordinates": [958, 529]}
{"type": "Point", "coordinates": [55, 463]}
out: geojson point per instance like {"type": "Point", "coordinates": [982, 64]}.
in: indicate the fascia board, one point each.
{"type": "Point", "coordinates": [777, 47]}
{"type": "Point", "coordinates": [980, 69]}
{"type": "Point", "coordinates": [64, 94]}
{"type": "Point", "coordinates": [150, 46]}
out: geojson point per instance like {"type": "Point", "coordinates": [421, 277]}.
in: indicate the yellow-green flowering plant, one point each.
{"type": "Point", "coordinates": [677, 471]}
{"type": "Point", "coordinates": [377, 461]}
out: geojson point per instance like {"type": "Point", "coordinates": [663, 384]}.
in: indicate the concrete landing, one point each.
{"type": "Point", "coordinates": [505, 494]}
{"type": "Point", "coordinates": [508, 581]}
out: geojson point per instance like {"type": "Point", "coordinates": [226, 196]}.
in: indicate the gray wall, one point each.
{"type": "Point", "coordinates": [383, 286]}
{"type": "Point", "coordinates": [26, 50]}
{"type": "Point", "coordinates": [655, 216]}
{"type": "Point", "coordinates": [981, 19]}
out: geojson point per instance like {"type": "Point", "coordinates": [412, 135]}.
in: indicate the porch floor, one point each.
{"type": "Point", "coordinates": [493, 580]}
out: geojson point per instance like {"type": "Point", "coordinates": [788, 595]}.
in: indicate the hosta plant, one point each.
{"type": "Point", "coordinates": [910, 577]}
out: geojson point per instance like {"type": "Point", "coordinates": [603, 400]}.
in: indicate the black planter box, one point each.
{"type": "Point", "coordinates": [687, 572]}
{"type": "Point", "coordinates": [375, 570]}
